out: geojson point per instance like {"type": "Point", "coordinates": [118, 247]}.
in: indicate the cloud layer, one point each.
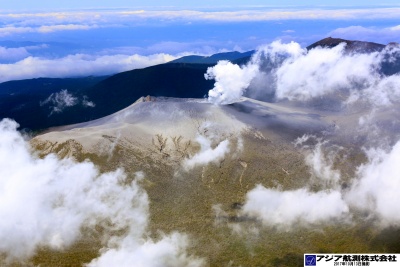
{"type": "Point", "coordinates": [47, 202]}
{"type": "Point", "coordinates": [384, 35]}
{"type": "Point", "coordinates": [82, 31]}
{"type": "Point", "coordinates": [12, 54]}
{"type": "Point", "coordinates": [77, 65]}
{"type": "Point", "coordinates": [121, 17]}
{"type": "Point", "coordinates": [297, 74]}
{"type": "Point", "coordinates": [10, 30]}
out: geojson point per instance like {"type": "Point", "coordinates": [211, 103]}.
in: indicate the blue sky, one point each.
{"type": "Point", "coordinates": [46, 4]}
{"type": "Point", "coordinates": [43, 31]}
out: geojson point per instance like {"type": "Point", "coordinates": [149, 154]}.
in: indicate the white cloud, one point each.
{"type": "Point", "coordinates": [377, 186]}
{"type": "Point", "coordinates": [232, 80]}
{"type": "Point", "coordinates": [169, 251]}
{"type": "Point", "coordinates": [77, 65]}
{"type": "Point", "coordinates": [289, 208]}
{"type": "Point", "coordinates": [68, 27]}
{"type": "Point", "coordinates": [302, 207]}
{"type": "Point", "coordinates": [207, 153]}
{"type": "Point", "coordinates": [59, 101]}
{"type": "Point", "coordinates": [231, 76]}
{"type": "Point", "coordinates": [385, 35]}
{"type": "Point", "coordinates": [373, 189]}
{"type": "Point", "coordinates": [296, 74]}
{"type": "Point", "coordinates": [117, 17]}
{"type": "Point", "coordinates": [320, 161]}
{"type": "Point", "coordinates": [47, 202]}
{"type": "Point", "coordinates": [288, 14]}
{"type": "Point", "coordinates": [87, 103]}
{"type": "Point", "coordinates": [13, 54]}
{"type": "Point", "coordinates": [321, 71]}
{"type": "Point", "coordinates": [9, 30]}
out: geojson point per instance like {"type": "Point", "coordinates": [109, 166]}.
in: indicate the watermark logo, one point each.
{"type": "Point", "coordinates": [348, 259]}
{"type": "Point", "coordinates": [310, 260]}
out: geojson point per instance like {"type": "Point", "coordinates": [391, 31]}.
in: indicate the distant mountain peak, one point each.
{"type": "Point", "coordinates": [351, 45]}
{"type": "Point", "coordinates": [393, 44]}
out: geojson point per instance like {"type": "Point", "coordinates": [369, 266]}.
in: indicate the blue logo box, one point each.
{"type": "Point", "coordinates": [310, 260]}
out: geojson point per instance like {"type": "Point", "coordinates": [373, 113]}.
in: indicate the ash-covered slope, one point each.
{"type": "Point", "coordinates": [174, 117]}
{"type": "Point", "coordinates": [239, 179]}
{"type": "Point", "coordinates": [197, 158]}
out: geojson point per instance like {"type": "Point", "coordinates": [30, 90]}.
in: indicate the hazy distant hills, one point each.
{"type": "Point", "coordinates": [36, 103]}
{"type": "Point", "coordinates": [231, 56]}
